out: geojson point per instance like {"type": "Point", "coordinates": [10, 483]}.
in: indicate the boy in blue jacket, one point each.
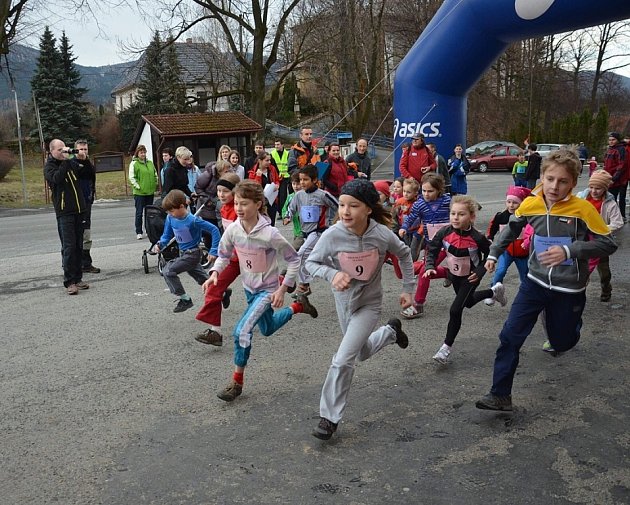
{"type": "Point", "coordinates": [186, 228]}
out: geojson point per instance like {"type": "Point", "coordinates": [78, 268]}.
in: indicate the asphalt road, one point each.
{"type": "Point", "coordinates": [107, 399]}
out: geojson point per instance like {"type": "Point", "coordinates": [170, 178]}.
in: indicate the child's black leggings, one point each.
{"type": "Point", "coordinates": [466, 295]}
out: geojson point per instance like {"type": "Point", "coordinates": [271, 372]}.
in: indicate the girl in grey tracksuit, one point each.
{"type": "Point", "coordinates": [350, 255]}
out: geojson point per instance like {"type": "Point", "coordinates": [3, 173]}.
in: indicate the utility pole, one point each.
{"type": "Point", "coordinates": [19, 132]}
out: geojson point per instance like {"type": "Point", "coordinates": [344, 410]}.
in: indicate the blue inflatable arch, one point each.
{"type": "Point", "coordinates": [462, 40]}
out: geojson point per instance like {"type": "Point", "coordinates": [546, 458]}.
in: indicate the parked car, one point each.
{"type": "Point", "coordinates": [545, 149]}
{"type": "Point", "coordinates": [485, 146]}
{"type": "Point", "coordinates": [500, 158]}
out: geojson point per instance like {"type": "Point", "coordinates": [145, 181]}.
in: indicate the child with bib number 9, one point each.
{"type": "Point", "coordinates": [350, 255]}
{"type": "Point", "coordinates": [257, 245]}
{"type": "Point", "coordinates": [466, 249]}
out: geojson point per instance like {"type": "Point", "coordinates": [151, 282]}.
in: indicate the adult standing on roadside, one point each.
{"type": "Point", "coordinates": [417, 160]}
{"type": "Point", "coordinates": [361, 159]}
{"type": "Point", "coordinates": [87, 182]}
{"type": "Point", "coordinates": [144, 180]}
{"type": "Point", "coordinates": [442, 167]}
{"type": "Point", "coordinates": [177, 175]}
{"type": "Point", "coordinates": [304, 151]}
{"type": "Point", "coordinates": [280, 158]}
{"type": "Point", "coordinates": [532, 172]}
{"type": "Point", "coordinates": [70, 210]}
{"type": "Point", "coordinates": [615, 165]}
{"type": "Point", "coordinates": [458, 168]}
{"type": "Point", "coordinates": [167, 156]}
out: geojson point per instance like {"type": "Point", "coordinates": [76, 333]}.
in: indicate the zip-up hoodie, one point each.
{"type": "Point", "coordinates": [67, 195]}
{"type": "Point", "coordinates": [610, 210]}
{"type": "Point", "coordinates": [573, 219]}
{"type": "Point", "coordinates": [263, 237]}
{"type": "Point", "coordinates": [324, 262]}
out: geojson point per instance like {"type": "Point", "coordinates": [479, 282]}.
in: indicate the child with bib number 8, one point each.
{"type": "Point", "coordinates": [257, 245]}
{"type": "Point", "coordinates": [466, 249]}
{"type": "Point", "coordinates": [350, 256]}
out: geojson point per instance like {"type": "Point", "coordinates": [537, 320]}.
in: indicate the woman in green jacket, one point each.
{"type": "Point", "coordinates": [144, 180]}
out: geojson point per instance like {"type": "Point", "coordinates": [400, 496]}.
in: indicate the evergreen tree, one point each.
{"type": "Point", "coordinates": [151, 92]}
{"type": "Point", "coordinates": [47, 88]}
{"type": "Point", "coordinates": [74, 107]}
{"type": "Point", "coordinates": [174, 88]}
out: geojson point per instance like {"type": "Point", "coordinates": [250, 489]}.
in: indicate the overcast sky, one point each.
{"type": "Point", "coordinates": [123, 25]}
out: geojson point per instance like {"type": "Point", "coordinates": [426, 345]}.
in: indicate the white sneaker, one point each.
{"type": "Point", "coordinates": [412, 312]}
{"type": "Point", "coordinates": [442, 355]}
{"type": "Point", "coordinates": [489, 302]}
{"type": "Point", "coordinates": [499, 294]}
{"type": "Point", "coordinates": [139, 236]}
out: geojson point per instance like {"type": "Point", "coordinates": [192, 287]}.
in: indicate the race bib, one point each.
{"type": "Point", "coordinates": [309, 213]}
{"type": "Point", "coordinates": [182, 235]}
{"type": "Point", "coordinates": [252, 260]}
{"type": "Point", "coordinates": [359, 265]}
{"type": "Point", "coordinates": [432, 229]}
{"type": "Point", "coordinates": [541, 244]}
{"type": "Point", "coordinates": [457, 265]}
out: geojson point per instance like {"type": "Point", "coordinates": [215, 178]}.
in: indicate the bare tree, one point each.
{"type": "Point", "coordinates": [604, 38]}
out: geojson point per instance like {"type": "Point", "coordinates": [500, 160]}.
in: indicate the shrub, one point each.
{"type": "Point", "coordinates": [7, 162]}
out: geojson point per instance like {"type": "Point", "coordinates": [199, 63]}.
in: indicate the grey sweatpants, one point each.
{"type": "Point", "coordinates": [358, 344]}
{"type": "Point", "coordinates": [188, 261]}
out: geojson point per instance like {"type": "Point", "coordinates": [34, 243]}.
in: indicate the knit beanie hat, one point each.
{"type": "Point", "coordinates": [615, 135]}
{"type": "Point", "coordinates": [518, 192]}
{"type": "Point", "coordinates": [383, 187]}
{"type": "Point", "coordinates": [601, 179]}
{"type": "Point", "coordinates": [362, 190]}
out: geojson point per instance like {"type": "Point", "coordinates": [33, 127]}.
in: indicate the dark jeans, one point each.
{"type": "Point", "coordinates": [141, 202]}
{"type": "Point", "coordinates": [70, 228]}
{"type": "Point", "coordinates": [563, 318]}
{"type": "Point", "coordinates": [87, 238]}
{"type": "Point", "coordinates": [620, 196]}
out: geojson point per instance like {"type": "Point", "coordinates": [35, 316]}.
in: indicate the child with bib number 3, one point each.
{"type": "Point", "coordinates": [350, 255]}
{"type": "Point", "coordinates": [466, 250]}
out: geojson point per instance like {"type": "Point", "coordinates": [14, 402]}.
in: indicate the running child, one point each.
{"type": "Point", "coordinates": [350, 256]}
{"type": "Point", "coordinates": [433, 209]}
{"type": "Point", "coordinates": [298, 239]}
{"type": "Point", "coordinates": [396, 189]}
{"type": "Point", "coordinates": [605, 203]}
{"type": "Point", "coordinates": [186, 228]}
{"type": "Point", "coordinates": [515, 252]}
{"type": "Point", "coordinates": [401, 209]}
{"type": "Point", "coordinates": [567, 232]}
{"type": "Point", "coordinates": [466, 249]}
{"type": "Point", "coordinates": [312, 205]}
{"type": "Point", "coordinates": [218, 295]}
{"type": "Point", "coordinates": [258, 245]}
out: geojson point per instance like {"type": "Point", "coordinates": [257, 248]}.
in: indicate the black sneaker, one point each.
{"type": "Point", "coordinates": [307, 308]}
{"type": "Point", "coordinates": [183, 305]}
{"type": "Point", "coordinates": [225, 301]}
{"type": "Point", "coordinates": [493, 402]}
{"type": "Point", "coordinates": [231, 391]}
{"type": "Point", "coordinates": [324, 429]}
{"type": "Point", "coordinates": [210, 337]}
{"type": "Point", "coordinates": [92, 269]}
{"type": "Point", "coordinates": [401, 337]}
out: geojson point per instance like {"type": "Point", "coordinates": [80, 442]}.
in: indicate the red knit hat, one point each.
{"type": "Point", "coordinates": [382, 187]}
{"type": "Point", "coordinates": [518, 192]}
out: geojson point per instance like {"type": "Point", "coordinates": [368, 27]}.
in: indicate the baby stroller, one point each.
{"type": "Point", "coordinates": [154, 219]}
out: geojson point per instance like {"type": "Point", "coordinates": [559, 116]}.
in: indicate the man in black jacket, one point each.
{"type": "Point", "coordinates": [70, 209]}
{"type": "Point", "coordinates": [534, 160]}
{"type": "Point", "coordinates": [87, 182]}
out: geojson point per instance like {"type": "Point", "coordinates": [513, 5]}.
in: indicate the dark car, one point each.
{"type": "Point", "coordinates": [501, 158]}
{"type": "Point", "coordinates": [485, 146]}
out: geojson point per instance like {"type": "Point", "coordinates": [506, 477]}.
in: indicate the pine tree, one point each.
{"type": "Point", "coordinates": [47, 87]}
{"type": "Point", "coordinates": [175, 89]}
{"type": "Point", "coordinates": [151, 92]}
{"type": "Point", "coordinates": [75, 108]}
